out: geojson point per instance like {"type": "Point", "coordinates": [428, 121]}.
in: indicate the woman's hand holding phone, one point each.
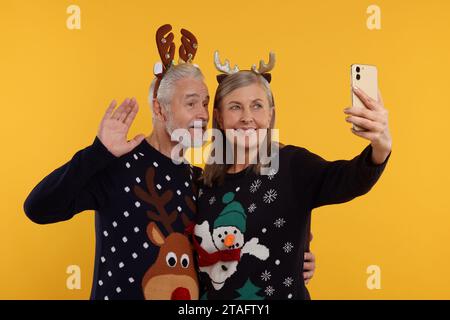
{"type": "Point", "coordinates": [374, 121]}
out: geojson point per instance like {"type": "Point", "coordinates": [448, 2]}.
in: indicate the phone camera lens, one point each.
{"type": "Point", "coordinates": [358, 77]}
{"type": "Point", "coordinates": [358, 69]}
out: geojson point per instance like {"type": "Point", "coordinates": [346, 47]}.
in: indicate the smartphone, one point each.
{"type": "Point", "coordinates": [365, 77]}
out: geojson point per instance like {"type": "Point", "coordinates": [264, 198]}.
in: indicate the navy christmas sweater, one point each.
{"type": "Point", "coordinates": [143, 203]}
{"type": "Point", "coordinates": [252, 230]}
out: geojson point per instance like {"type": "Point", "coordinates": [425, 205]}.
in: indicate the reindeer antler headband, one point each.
{"type": "Point", "coordinates": [166, 50]}
{"type": "Point", "coordinates": [226, 70]}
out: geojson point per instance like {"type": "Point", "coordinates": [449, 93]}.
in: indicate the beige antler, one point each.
{"type": "Point", "coordinates": [263, 67]}
{"type": "Point", "coordinates": [225, 68]}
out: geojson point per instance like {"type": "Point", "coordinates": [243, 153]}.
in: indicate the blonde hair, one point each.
{"type": "Point", "coordinates": [214, 173]}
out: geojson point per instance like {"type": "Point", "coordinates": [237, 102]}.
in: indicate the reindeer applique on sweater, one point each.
{"type": "Point", "coordinates": [173, 275]}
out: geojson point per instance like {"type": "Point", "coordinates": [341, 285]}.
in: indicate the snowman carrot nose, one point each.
{"type": "Point", "coordinates": [229, 240]}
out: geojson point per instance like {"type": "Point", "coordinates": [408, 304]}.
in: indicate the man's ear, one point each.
{"type": "Point", "coordinates": [158, 110]}
{"type": "Point", "coordinates": [218, 117]}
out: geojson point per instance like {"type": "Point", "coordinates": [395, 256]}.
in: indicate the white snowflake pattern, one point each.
{"type": "Point", "coordinates": [288, 247]}
{"type": "Point", "coordinates": [279, 222]}
{"type": "Point", "coordinates": [200, 192]}
{"type": "Point", "coordinates": [255, 186]}
{"type": "Point", "coordinates": [265, 275]}
{"type": "Point", "coordinates": [252, 208]}
{"type": "Point", "coordinates": [212, 200]}
{"type": "Point", "coordinates": [269, 291]}
{"type": "Point", "coordinates": [288, 282]}
{"type": "Point", "coordinates": [270, 196]}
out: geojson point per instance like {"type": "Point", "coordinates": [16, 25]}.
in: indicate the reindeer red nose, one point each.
{"type": "Point", "coordinates": [181, 294]}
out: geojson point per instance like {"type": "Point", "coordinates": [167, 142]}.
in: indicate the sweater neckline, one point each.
{"type": "Point", "coordinates": [237, 175]}
{"type": "Point", "coordinates": [240, 174]}
{"type": "Point", "coordinates": [146, 146]}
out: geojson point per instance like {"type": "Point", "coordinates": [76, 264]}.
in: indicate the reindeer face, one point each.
{"type": "Point", "coordinates": [173, 275]}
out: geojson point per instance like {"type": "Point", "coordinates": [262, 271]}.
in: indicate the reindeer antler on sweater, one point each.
{"type": "Point", "coordinates": [192, 206]}
{"type": "Point", "coordinates": [158, 201]}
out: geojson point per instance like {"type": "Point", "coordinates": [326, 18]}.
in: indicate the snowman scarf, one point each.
{"type": "Point", "coordinates": [207, 259]}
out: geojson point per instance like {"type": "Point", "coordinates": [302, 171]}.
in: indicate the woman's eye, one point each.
{"type": "Point", "coordinates": [257, 106]}
{"type": "Point", "coordinates": [235, 107]}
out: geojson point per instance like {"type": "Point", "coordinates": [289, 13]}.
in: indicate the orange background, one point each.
{"type": "Point", "coordinates": [56, 83]}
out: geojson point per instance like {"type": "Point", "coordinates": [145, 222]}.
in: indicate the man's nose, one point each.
{"type": "Point", "coordinates": [203, 114]}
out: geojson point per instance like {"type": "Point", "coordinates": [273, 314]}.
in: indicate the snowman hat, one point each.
{"type": "Point", "coordinates": [233, 215]}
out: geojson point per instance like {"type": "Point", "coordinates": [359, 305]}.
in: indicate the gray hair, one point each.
{"type": "Point", "coordinates": [167, 85]}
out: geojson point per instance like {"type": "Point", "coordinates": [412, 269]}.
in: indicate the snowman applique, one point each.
{"type": "Point", "coordinates": [219, 253]}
